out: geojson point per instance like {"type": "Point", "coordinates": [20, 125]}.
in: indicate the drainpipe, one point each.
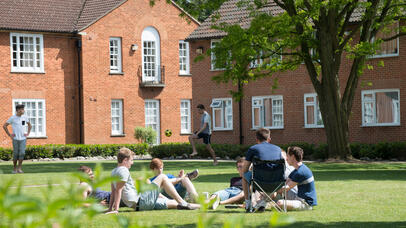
{"type": "Point", "coordinates": [80, 91]}
{"type": "Point", "coordinates": [240, 113]}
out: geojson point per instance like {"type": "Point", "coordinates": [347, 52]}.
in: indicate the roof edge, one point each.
{"type": "Point", "coordinates": [95, 20]}
{"type": "Point", "coordinates": [186, 13]}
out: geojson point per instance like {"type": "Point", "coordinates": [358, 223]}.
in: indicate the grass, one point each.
{"type": "Point", "coordinates": [349, 195]}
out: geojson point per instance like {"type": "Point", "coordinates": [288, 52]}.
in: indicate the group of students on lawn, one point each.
{"type": "Point", "coordinates": [178, 192]}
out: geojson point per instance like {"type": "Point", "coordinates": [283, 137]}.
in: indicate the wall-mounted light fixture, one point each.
{"type": "Point", "coordinates": [199, 50]}
{"type": "Point", "coordinates": [134, 47]}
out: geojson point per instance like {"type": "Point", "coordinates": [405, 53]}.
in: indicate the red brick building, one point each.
{"type": "Point", "coordinates": [291, 111]}
{"type": "Point", "coordinates": [91, 71]}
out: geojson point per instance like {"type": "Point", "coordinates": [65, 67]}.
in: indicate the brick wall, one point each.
{"type": "Point", "coordinates": [58, 86]}
{"type": "Point", "coordinates": [99, 87]}
{"type": "Point", "coordinates": [293, 85]}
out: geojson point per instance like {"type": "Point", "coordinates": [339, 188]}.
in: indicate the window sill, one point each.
{"type": "Point", "coordinates": [116, 73]}
{"type": "Point", "coordinates": [26, 72]}
{"type": "Point", "coordinates": [270, 128]}
{"type": "Point", "coordinates": [118, 135]}
{"type": "Point", "coordinates": [37, 137]}
{"type": "Point", "coordinates": [190, 133]}
{"type": "Point", "coordinates": [226, 129]}
{"type": "Point", "coordinates": [185, 75]}
{"type": "Point", "coordinates": [382, 125]}
{"type": "Point", "coordinates": [311, 127]}
{"type": "Point", "coordinates": [383, 56]}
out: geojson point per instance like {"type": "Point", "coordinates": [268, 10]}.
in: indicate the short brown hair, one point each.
{"type": "Point", "coordinates": [156, 163]}
{"type": "Point", "coordinates": [200, 106]}
{"type": "Point", "coordinates": [240, 160]}
{"type": "Point", "coordinates": [20, 106]}
{"type": "Point", "coordinates": [263, 134]}
{"type": "Point", "coordinates": [123, 154]}
{"type": "Point", "coordinates": [85, 169]}
{"type": "Point", "coordinates": [297, 152]}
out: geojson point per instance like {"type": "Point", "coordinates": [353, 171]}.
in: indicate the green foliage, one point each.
{"type": "Point", "coordinates": [70, 150]}
{"type": "Point", "coordinates": [19, 209]}
{"type": "Point", "coordinates": [145, 135]}
{"type": "Point", "coordinates": [382, 150]}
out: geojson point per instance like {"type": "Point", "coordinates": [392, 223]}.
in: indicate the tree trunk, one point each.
{"type": "Point", "coordinates": [335, 120]}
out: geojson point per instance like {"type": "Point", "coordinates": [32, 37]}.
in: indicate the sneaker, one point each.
{"type": "Point", "coordinates": [20, 171]}
{"type": "Point", "coordinates": [215, 203]}
{"type": "Point", "coordinates": [14, 172]}
{"type": "Point", "coordinates": [260, 206]}
{"type": "Point", "coordinates": [193, 175]}
{"type": "Point", "coordinates": [187, 206]}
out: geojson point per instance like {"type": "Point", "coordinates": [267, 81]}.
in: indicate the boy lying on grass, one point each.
{"type": "Point", "coordinates": [148, 200]}
{"type": "Point", "coordinates": [183, 183]}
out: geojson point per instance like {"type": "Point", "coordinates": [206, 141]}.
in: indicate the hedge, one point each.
{"type": "Point", "coordinates": [382, 150]}
{"type": "Point", "coordinates": [73, 150]}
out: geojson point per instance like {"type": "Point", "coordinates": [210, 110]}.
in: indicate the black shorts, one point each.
{"type": "Point", "coordinates": [206, 137]}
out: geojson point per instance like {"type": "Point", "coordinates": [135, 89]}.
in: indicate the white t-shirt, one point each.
{"type": "Point", "coordinates": [129, 194]}
{"type": "Point", "coordinates": [18, 123]}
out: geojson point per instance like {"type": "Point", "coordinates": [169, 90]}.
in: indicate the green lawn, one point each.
{"type": "Point", "coordinates": [349, 195]}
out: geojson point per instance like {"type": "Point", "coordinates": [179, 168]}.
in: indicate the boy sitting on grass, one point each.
{"type": "Point", "coordinates": [183, 183]}
{"type": "Point", "coordinates": [302, 177]}
{"type": "Point", "coordinates": [124, 189]}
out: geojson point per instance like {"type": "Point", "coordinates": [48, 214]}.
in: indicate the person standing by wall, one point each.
{"type": "Point", "coordinates": [203, 132]}
{"type": "Point", "coordinates": [19, 137]}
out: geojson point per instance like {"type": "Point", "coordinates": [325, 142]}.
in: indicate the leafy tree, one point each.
{"type": "Point", "coordinates": [319, 34]}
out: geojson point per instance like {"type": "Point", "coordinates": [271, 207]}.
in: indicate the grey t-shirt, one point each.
{"type": "Point", "coordinates": [129, 195]}
{"type": "Point", "coordinates": [206, 119]}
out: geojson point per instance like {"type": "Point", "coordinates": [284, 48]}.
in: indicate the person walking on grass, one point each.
{"type": "Point", "coordinates": [124, 189]}
{"type": "Point", "coordinates": [203, 132]}
{"type": "Point", "coordinates": [19, 136]}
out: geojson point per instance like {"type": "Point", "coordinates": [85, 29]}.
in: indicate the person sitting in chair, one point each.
{"type": "Point", "coordinates": [263, 150]}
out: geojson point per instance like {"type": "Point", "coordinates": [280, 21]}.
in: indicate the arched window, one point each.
{"type": "Point", "coordinates": [151, 55]}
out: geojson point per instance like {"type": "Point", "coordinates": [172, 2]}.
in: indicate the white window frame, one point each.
{"type": "Point", "coordinates": [185, 59]}
{"type": "Point", "coordinates": [387, 55]}
{"type": "Point", "coordinates": [33, 133]}
{"type": "Point", "coordinates": [260, 105]}
{"type": "Point", "coordinates": [373, 92]}
{"type": "Point", "coordinates": [120, 130]}
{"type": "Point", "coordinates": [150, 34]}
{"type": "Point", "coordinates": [158, 124]}
{"type": "Point", "coordinates": [188, 130]}
{"type": "Point", "coordinates": [118, 68]}
{"type": "Point", "coordinates": [23, 69]}
{"type": "Point", "coordinates": [315, 113]}
{"type": "Point", "coordinates": [219, 106]}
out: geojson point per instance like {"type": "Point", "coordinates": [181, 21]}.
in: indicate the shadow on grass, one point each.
{"type": "Point", "coordinates": [340, 224]}
{"type": "Point", "coordinates": [321, 171]}
{"type": "Point", "coordinates": [313, 224]}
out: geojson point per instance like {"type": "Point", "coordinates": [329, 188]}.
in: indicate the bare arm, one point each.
{"type": "Point", "coordinates": [246, 165]}
{"type": "Point", "coordinates": [29, 128]}
{"type": "Point", "coordinates": [289, 185]}
{"type": "Point", "coordinates": [111, 197]}
{"type": "Point", "coordinates": [235, 199]}
{"type": "Point", "coordinates": [116, 194]}
{"type": "Point", "coordinates": [202, 128]}
{"type": "Point", "coordinates": [5, 127]}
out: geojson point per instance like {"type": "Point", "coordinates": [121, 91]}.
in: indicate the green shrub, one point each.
{"type": "Point", "coordinates": [6, 154]}
{"type": "Point", "coordinates": [145, 135]}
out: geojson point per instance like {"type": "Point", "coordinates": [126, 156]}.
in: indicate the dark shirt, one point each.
{"type": "Point", "coordinates": [236, 182]}
{"type": "Point", "coordinates": [306, 189]}
{"type": "Point", "coordinates": [264, 151]}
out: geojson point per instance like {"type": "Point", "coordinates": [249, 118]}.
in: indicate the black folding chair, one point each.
{"type": "Point", "coordinates": [267, 178]}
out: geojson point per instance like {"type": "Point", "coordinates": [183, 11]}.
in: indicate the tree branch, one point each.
{"type": "Point", "coordinates": [395, 36]}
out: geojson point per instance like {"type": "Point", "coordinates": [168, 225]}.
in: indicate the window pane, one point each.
{"type": "Point", "coordinates": [268, 112]}
{"type": "Point", "coordinates": [386, 107]}
{"type": "Point", "coordinates": [257, 117]}
{"type": "Point", "coordinates": [310, 115]}
{"type": "Point", "coordinates": [217, 113]}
